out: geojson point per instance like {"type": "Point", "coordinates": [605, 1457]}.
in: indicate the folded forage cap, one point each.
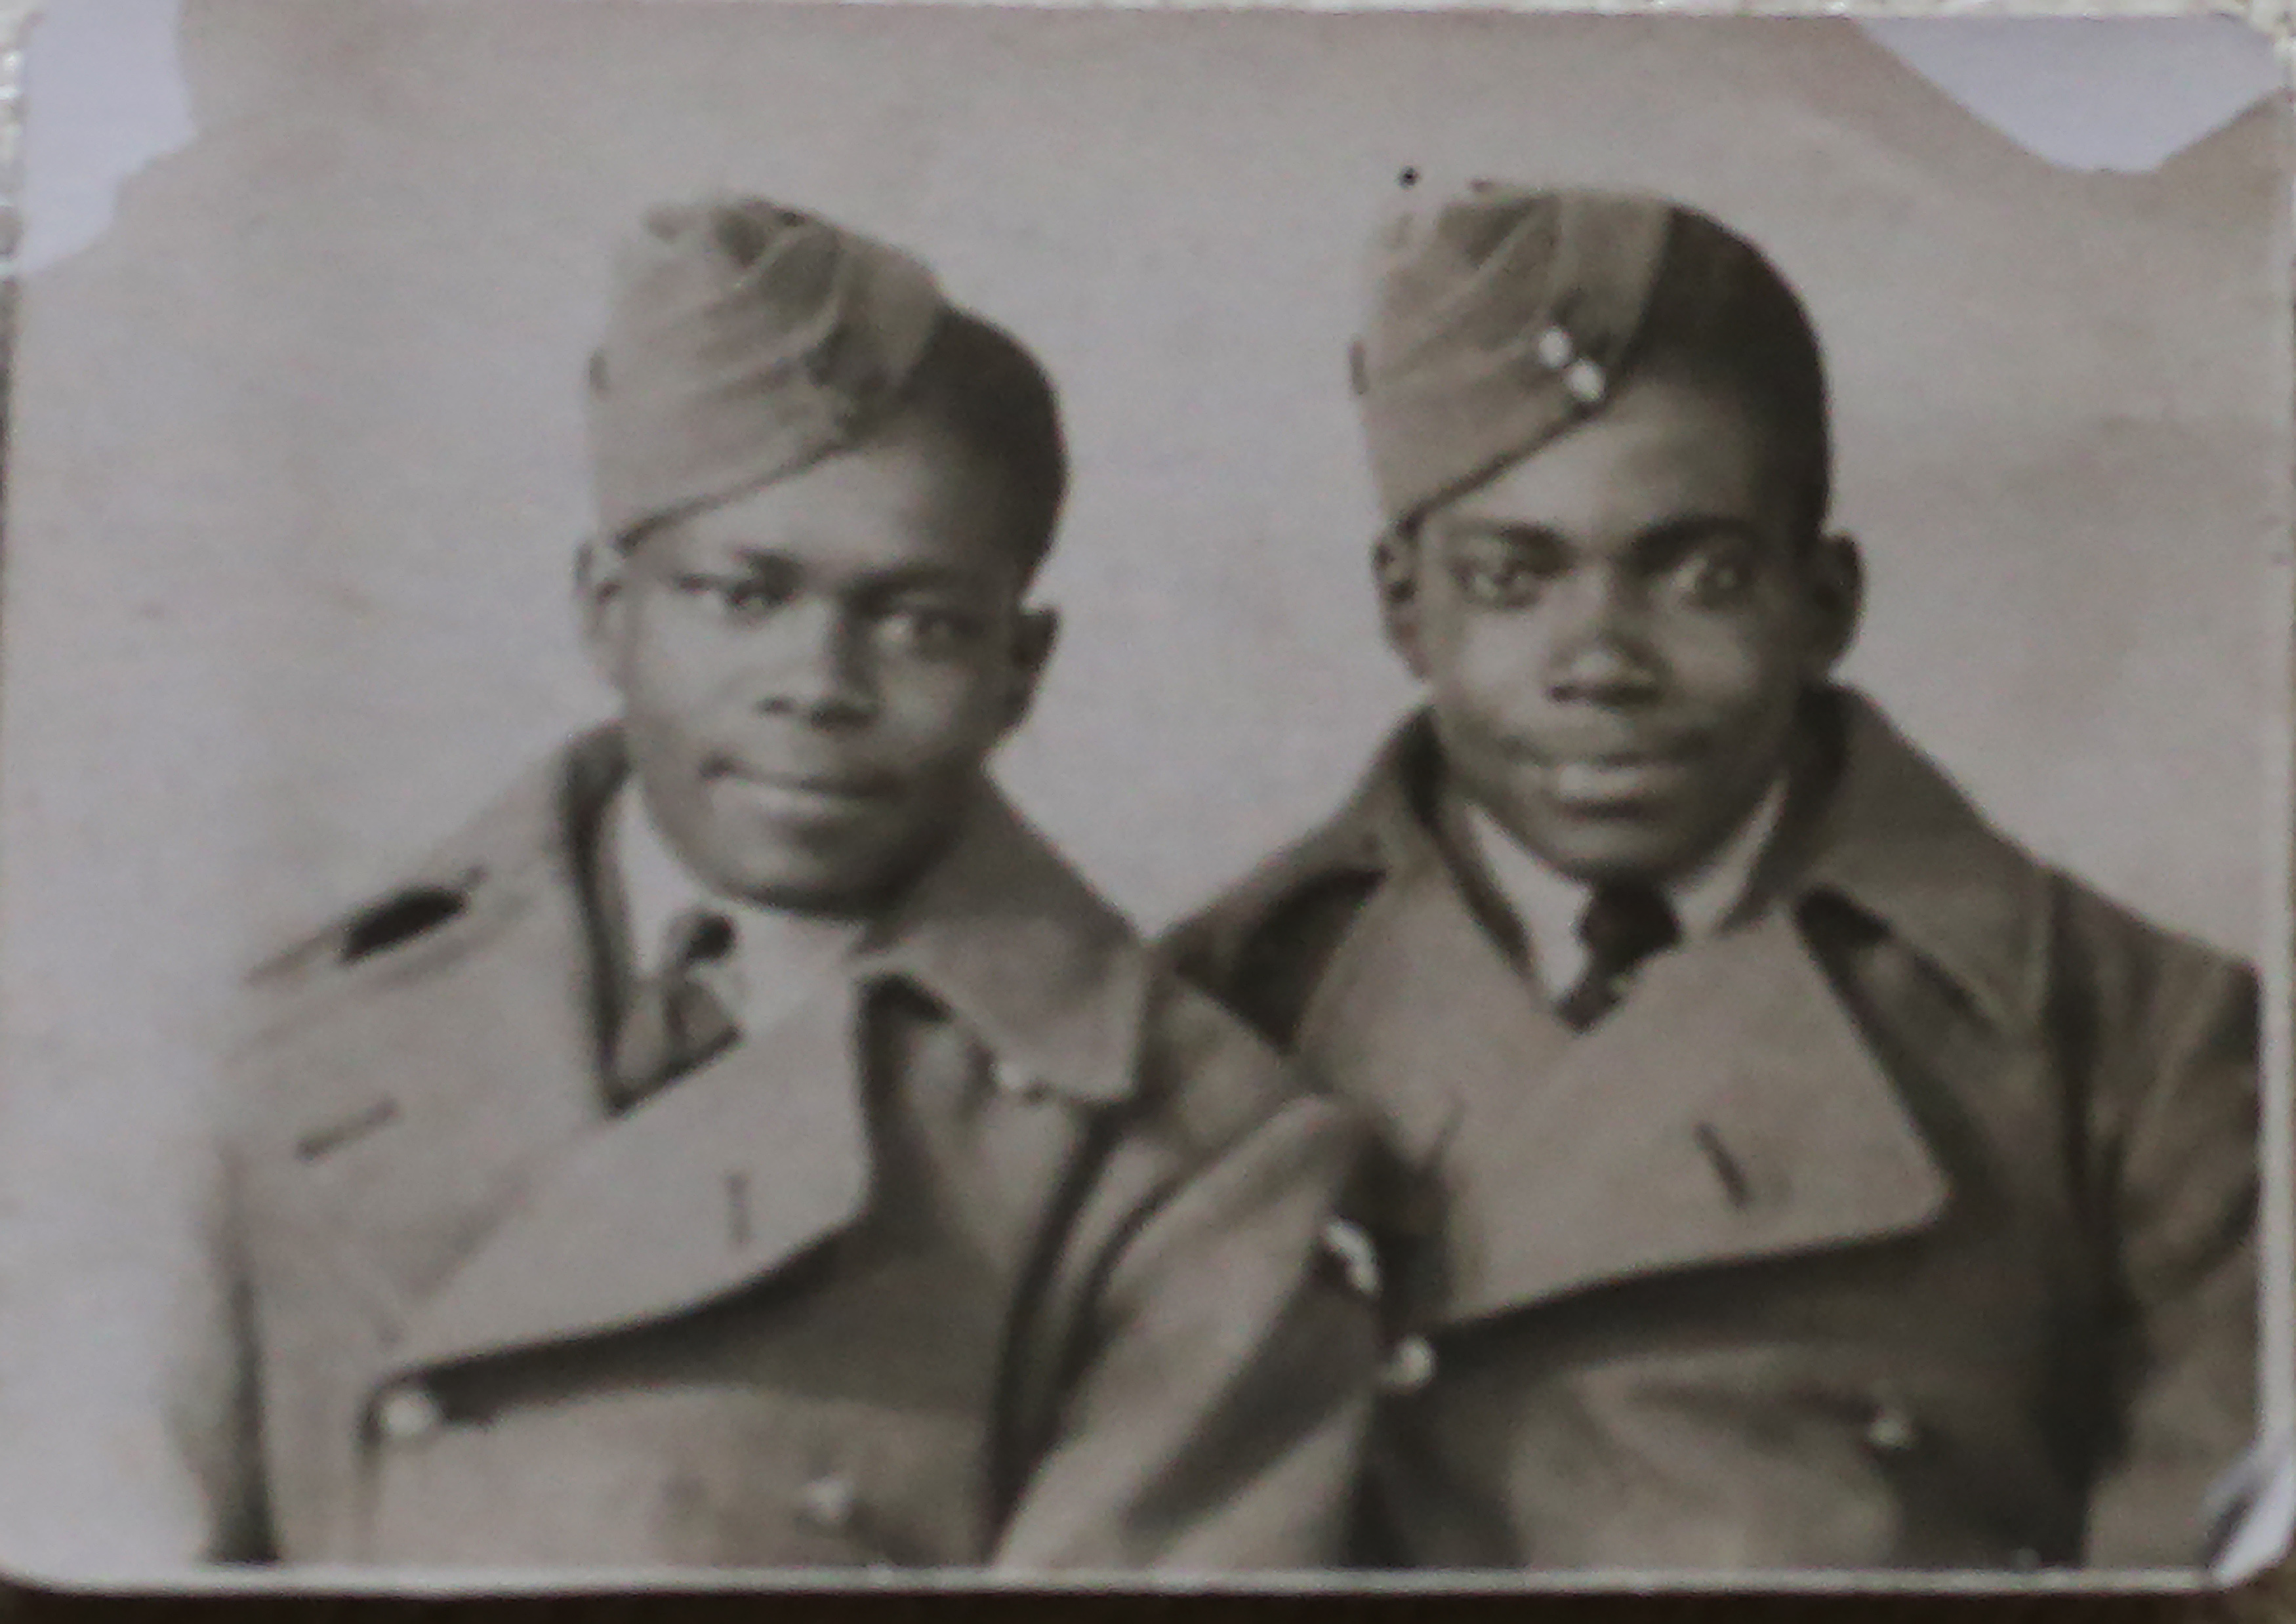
{"type": "Point", "coordinates": [744, 342]}
{"type": "Point", "coordinates": [1499, 317]}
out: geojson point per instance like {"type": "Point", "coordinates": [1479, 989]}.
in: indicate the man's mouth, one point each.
{"type": "Point", "coordinates": [1599, 776]}
{"type": "Point", "coordinates": [804, 796]}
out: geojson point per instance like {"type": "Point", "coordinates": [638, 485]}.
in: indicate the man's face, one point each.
{"type": "Point", "coordinates": [812, 675]}
{"type": "Point", "coordinates": [1616, 629]}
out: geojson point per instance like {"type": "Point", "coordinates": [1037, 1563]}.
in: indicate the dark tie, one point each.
{"type": "Point", "coordinates": [675, 1021]}
{"type": "Point", "coordinates": [1622, 925]}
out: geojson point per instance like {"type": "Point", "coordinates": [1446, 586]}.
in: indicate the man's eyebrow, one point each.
{"type": "Point", "coordinates": [761, 560]}
{"type": "Point", "coordinates": [1669, 538]}
{"type": "Point", "coordinates": [1513, 532]}
{"type": "Point", "coordinates": [886, 582]}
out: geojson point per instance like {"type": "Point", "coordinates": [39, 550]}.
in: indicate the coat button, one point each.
{"type": "Point", "coordinates": [829, 1503]}
{"type": "Point", "coordinates": [1891, 1430]}
{"type": "Point", "coordinates": [408, 1411]}
{"type": "Point", "coordinates": [1585, 381]}
{"type": "Point", "coordinates": [1021, 1084]}
{"type": "Point", "coordinates": [1409, 1367]}
{"type": "Point", "coordinates": [1555, 350]}
{"type": "Point", "coordinates": [1358, 1258]}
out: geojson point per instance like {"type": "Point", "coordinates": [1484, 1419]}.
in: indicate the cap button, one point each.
{"type": "Point", "coordinates": [408, 1411]}
{"type": "Point", "coordinates": [1409, 1367]}
{"type": "Point", "coordinates": [1584, 380]}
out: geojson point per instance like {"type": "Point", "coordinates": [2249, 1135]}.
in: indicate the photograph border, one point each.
{"type": "Point", "coordinates": [2274, 1468]}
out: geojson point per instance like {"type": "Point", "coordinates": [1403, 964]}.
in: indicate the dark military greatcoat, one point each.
{"type": "Point", "coordinates": [1906, 1221]}
{"type": "Point", "coordinates": [1008, 1250]}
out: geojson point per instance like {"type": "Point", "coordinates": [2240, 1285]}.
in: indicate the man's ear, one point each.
{"type": "Point", "coordinates": [1033, 641]}
{"type": "Point", "coordinates": [599, 604]}
{"type": "Point", "coordinates": [1837, 597]}
{"type": "Point", "coordinates": [1395, 578]}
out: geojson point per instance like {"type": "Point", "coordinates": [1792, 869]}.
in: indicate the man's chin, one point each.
{"type": "Point", "coordinates": [814, 895]}
{"type": "Point", "coordinates": [844, 882]}
{"type": "Point", "coordinates": [1596, 848]}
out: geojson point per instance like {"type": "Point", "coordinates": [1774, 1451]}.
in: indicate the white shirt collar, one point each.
{"type": "Point", "coordinates": [777, 957]}
{"type": "Point", "coordinates": [1547, 903]}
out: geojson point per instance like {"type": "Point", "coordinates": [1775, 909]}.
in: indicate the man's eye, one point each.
{"type": "Point", "coordinates": [1501, 577]}
{"type": "Point", "coordinates": [740, 598]}
{"type": "Point", "coordinates": [1715, 576]}
{"type": "Point", "coordinates": [928, 629]}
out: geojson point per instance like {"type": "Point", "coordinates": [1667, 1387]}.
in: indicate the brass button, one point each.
{"type": "Point", "coordinates": [829, 1503]}
{"type": "Point", "coordinates": [1409, 1367]}
{"type": "Point", "coordinates": [408, 1411]}
{"type": "Point", "coordinates": [1358, 1258]}
{"type": "Point", "coordinates": [1020, 1083]}
{"type": "Point", "coordinates": [1891, 1430]}
{"type": "Point", "coordinates": [1585, 381]}
{"type": "Point", "coordinates": [1555, 350]}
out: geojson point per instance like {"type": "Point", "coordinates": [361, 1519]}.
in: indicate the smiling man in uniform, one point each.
{"type": "Point", "coordinates": [1784, 1169]}
{"type": "Point", "coordinates": [748, 1144]}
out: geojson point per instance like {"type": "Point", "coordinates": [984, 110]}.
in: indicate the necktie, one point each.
{"type": "Point", "coordinates": [675, 1020]}
{"type": "Point", "coordinates": [1622, 925]}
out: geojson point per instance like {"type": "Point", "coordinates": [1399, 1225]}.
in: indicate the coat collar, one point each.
{"type": "Point", "coordinates": [469, 1171]}
{"type": "Point", "coordinates": [1885, 830]}
{"type": "Point", "coordinates": [1000, 930]}
{"type": "Point", "coordinates": [1009, 938]}
{"type": "Point", "coordinates": [1870, 820]}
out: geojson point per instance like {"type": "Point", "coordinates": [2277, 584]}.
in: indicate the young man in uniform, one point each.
{"type": "Point", "coordinates": [748, 1144]}
{"type": "Point", "coordinates": [1784, 1169]}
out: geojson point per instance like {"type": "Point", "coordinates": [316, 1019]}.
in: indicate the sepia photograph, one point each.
{"type": "Point", "coordinates": [806, 795]}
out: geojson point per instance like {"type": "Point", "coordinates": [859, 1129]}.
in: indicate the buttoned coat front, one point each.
{"type": "Point", "coordinates": [1009, 1250]}
{"type": "Point", "coordinates": [1906, 1221]}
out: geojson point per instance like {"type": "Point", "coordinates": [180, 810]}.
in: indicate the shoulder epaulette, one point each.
{"type": "Point", "coordinates": [398, 918]}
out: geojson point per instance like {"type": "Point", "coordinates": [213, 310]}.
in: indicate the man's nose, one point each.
{"type": "Point", "coordinates": [1601, 652]}
{"type": "Point", "coordinates": [814, 663]}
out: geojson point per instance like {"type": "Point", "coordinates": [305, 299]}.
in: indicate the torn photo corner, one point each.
{"type": "Point", "coordinates": [815, 797]}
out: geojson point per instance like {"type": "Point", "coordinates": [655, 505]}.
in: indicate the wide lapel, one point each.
{"type": "Point", "coordinates": [1422, 1021]}
{"type": "Point", "coordinates": [1726, 1110]}
{"type": "Point", "coordinates": [401, 1101]}
{"type": "Point", "coordinates": [713, 1184]}
{"type": "Point", "coordinates": [736, 1168]}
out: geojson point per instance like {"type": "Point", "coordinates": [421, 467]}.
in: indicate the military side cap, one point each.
{"type": "Point", "coordinates": [1499, 317]}
{"type": "Point", "coordinates": [744, 342]}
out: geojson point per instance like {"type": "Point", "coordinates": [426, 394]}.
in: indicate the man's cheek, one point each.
{"type": "Point", "coordinates": [1493, 670]}
{"type": "Point", "coordinates": [1728, 664]}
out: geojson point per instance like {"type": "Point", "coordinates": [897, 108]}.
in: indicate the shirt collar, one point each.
{"type": "Point", "coordinates": [777, 956]}
{"type": "Point", "coordinates": [999, 931]}
{"type": "Point", "coordinates": [1873, 823]}
{"type": "Point", "coordinates": [1548, 902]}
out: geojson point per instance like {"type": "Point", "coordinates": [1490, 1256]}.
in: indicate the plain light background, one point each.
{"type": "Point", "coordinates": [296, 470]}
{"type": "Point", "coordinates": [295, 474]}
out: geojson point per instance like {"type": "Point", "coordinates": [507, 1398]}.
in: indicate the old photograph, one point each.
{"type": "Point", "coordinates": [802, 794]}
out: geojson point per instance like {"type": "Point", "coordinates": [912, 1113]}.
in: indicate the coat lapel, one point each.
{"type": "Point", "coordinates": [736, 1168]}
{"type": "Point", "coordinates": [400, 1101]}
{"type": "Point", "coordinates": [1726, 1112]}
{"type": "Point", "coordinates": [691, 1196]}
{"type": "Point", "coordinates": [436, 1129]}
